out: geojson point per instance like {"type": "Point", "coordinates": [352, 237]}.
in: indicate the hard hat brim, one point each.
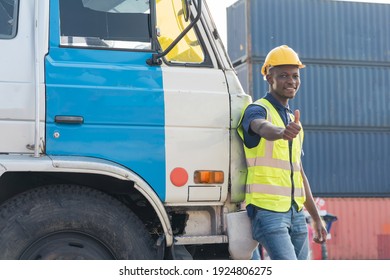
{"type": "Point", "coordinates": [265, 67]}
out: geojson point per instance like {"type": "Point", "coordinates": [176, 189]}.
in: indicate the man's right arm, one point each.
{"type": "Point", "coordinates": [271, 132]}
{"type": "Point", "coordinates": [266, 129]}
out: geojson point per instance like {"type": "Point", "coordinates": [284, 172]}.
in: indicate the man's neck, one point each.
{"type": "Point", "coordinates": [283, 102]}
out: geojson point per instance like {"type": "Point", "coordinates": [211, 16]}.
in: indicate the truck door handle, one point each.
{"type": "Point", "coordinates": [69, 119]}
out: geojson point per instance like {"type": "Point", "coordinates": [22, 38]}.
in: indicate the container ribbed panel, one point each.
{"type": "Point", "coordinates": [347, 163]}
{"type": "Point", "coordinates": [317, 29]}
{"type": "Point", "coordinates": [362, 231]}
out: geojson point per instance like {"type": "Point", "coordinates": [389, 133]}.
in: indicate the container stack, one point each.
{"type": "Point", "coordinates": [344, 101]}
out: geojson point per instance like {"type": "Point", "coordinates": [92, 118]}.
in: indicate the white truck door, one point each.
{"type": "Point", "coordinates": [197, 115]}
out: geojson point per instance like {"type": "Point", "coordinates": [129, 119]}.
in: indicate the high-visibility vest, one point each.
{"type": "Point", "coordinates": [268, 183]}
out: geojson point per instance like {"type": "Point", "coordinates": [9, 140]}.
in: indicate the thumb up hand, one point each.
{"type": "Point", "coordinates": [293, 128]}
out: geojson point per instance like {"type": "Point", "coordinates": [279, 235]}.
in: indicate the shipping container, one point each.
{"type": "Point", "coordinates": [320, 29]}
{"type": "Point", "coordinates": [345, 163]}
{"type": "Point", "coordinates": [362, 229]}
{"type": "Point", "coordinates": [344, 96]}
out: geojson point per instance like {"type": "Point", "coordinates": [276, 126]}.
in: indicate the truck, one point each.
{"type": "Point", "coordinates": [118, 131]}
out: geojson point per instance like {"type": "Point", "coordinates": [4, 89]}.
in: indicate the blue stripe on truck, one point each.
{"type": "Point", "coordinates": [120, 99]}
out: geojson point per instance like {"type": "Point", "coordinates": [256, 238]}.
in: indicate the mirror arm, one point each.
{"type": "Point", "coordinates": [156, 57]}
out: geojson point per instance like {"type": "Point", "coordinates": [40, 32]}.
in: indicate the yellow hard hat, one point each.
{"type": "Point", "coordinates": [282, 55]}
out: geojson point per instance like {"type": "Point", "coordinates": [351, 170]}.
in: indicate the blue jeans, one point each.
{"type": "Point", "coordinates": [283, 235]}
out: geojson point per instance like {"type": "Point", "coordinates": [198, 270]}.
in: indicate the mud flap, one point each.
{"type": "Point", "coordinates": [241, 243]}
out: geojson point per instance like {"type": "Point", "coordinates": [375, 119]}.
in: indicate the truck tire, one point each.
{"type": "Point", "coordinates": [71, 222]}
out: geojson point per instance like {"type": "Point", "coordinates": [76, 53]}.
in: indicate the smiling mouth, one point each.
{"type": "Point", "coordinates": [290, 89]}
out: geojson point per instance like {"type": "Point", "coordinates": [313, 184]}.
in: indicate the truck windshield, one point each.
{"type": "Point", "coordinates": [105, 23]}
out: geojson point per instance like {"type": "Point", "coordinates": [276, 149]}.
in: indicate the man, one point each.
{"type": "Point", "coordinates": [277, 187]}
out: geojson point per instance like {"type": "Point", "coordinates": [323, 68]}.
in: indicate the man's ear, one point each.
{"type": "Point", "coordinates": [269, 79]}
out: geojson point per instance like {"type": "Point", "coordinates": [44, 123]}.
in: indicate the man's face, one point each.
{"type": "Point", "coordinates": [284, 82]}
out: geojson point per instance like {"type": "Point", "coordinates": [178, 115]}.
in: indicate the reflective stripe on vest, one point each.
{"type": "Point", "coordinates": [269, 183]}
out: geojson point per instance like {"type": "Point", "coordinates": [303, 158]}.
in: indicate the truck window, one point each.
{"type": "Point", "coordinates": [189, 49]}
{"type": "Point", "coordinates": [8, 18]}
{"type": "Point", "coordinates": [117, 24]}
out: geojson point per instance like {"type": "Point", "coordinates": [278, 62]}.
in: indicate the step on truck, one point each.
{"type": "Point", "coordinates": [118, 131]}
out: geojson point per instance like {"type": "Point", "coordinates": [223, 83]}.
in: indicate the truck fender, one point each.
{"type": "Point", "coordinates": [93, 166]}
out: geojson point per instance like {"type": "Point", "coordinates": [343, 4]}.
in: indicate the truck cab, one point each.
{"type": "Point", "coordinates": [118, 121]}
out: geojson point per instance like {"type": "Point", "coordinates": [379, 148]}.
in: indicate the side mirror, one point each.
{"type": "Point", "coordinates": [186, 9]}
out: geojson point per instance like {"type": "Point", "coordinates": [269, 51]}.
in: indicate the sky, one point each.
{"type": "Point", "coordinates": [218, 12]}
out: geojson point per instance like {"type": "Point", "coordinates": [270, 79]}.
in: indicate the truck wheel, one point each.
{"type": "Point", "coordinates": [71, 222]}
